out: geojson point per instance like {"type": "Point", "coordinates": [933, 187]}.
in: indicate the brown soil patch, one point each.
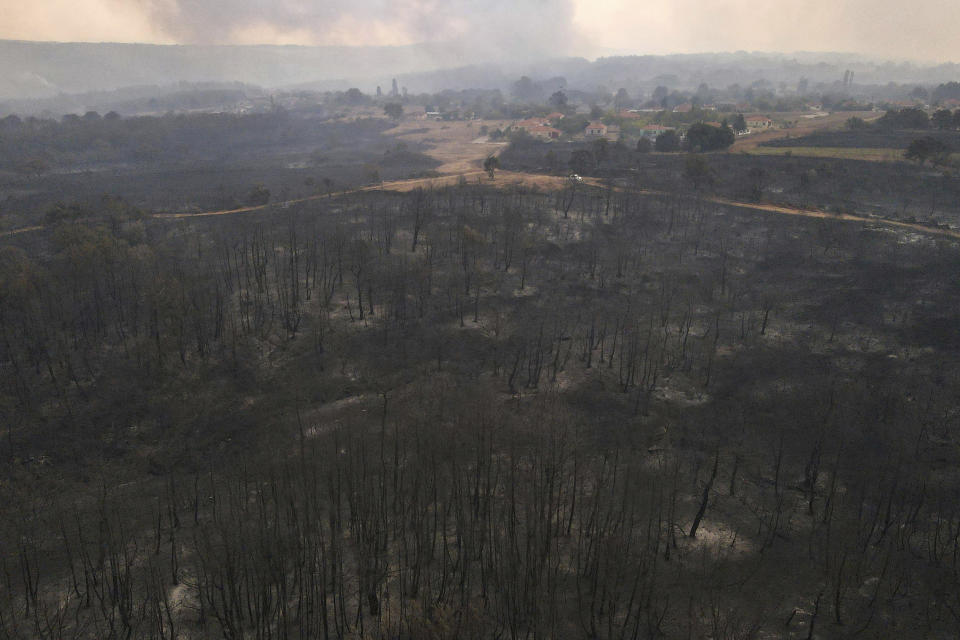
{"type": "Point", "coordinates": [452, 143]}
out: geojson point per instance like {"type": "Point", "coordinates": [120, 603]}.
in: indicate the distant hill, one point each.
{"type": "Point", "coordinates": [44, 69]}
{"type": "Point", "coordinates": [76, 73]}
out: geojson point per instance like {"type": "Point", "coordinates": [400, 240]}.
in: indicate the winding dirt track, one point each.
{"type": "Point", "coordinates": [809, 213]}
{"type": "Point", "coordinates": [14, 232]}
{"type": "Point", "coordinates": [508, 179]}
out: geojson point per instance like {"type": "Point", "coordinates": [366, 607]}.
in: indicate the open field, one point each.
{"type": "Point", "coordinates": [803, 127]}
{"type": "Point", "coordinates": [451, 143]}
{"type": "Point", "coordinates": [867, 138]}
{"type": "Point", "coordinates": [843, 153]}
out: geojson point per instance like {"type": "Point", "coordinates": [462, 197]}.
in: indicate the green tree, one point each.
{"type": "Point", "coordinates": [856, 124]}
{"type": "Point", "coordinates": [697, 171]}
{"type": "Point", "coordinates": [708, 138]}
{"type": "Point", "coordinates": [394, 110]}
{"type": "Point", "coordinates": [644, 145]}
{"type": "Point", "coordinates": [667, 142]}
{"type": "Point", "coordinates": [258, 196]}
{"type": "Point", "coordinates": [490, 165]}
{"type": "Point", "coordinates": [558, 100]}
{"type": "Point", "coordinates": [942, 119]}
{"type": "Point", "coordinates": [910, 118]}
{"type": "Point", "coordinates": [739, 123]}
{"type": "Point", "coordinates": [927, 148]}
{"type": "Point", "coordinates": [354, 96]}
{"type": "Point", "coordinates": [601, 149]}
{"type": "Point", "coordinates": [572, 125]}
{"type": "Point", "coordinates": [371, 172]}
{"type": "Point", "coordinates": [550, 159]}
{"type": "Point", "coordinates": [581, 161]}
{"type": "Point", "coordinates": [621, 101]}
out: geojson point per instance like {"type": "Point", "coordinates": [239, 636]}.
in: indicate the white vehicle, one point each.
{"type": "Point", "coordinates": [575, 178]}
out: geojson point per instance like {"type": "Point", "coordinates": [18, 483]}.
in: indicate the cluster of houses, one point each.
{"type": "Point", "coordinates": [544, 127]}
{"type": "Point", "coordinates": [758, 122]}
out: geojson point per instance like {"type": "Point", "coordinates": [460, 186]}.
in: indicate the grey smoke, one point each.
{"type": "Point", "coordinates": [493, 29]}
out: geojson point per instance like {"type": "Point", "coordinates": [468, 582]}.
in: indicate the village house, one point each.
{"type": "Point", "coordinates": [538, 128]}
{"type": "Point", "coordinates": [544, 133]}
{"type": "Point", "coordinates": [654, 130]}
{"type": "Point", "coordinates": [595, 130]}
{"type": "Point", "coordinates": [758, 122]}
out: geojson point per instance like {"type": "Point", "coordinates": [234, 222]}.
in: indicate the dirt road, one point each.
{"type": "Point", "coordinates": [509, 179]}
{"type": "Point", "coordinates": [454, 144]}
{"type": "Point", "coordinates": [502, 179]}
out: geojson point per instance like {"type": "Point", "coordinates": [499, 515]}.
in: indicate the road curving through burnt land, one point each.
{"type": "Point", "coordinates": [512, 179]}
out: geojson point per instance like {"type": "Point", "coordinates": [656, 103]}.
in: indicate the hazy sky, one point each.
{"type": "Point", "coordinates": [923, 29]}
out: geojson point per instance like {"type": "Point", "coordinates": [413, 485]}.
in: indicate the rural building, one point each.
{"type": "Point", "coordinates": [595, 130]}
{"type": "Point", "coordinates": [654, 130]}
{"type": "Point", "coordinates": [683, 108]}
{"type": "Point", "coordinates": [553, 117]}
{"type": "Point", "coordinates": [758, 122]}
{"type": "Point", "coordinates": [544, 133]}
{"type": "Point", "coordinates": [538, 128]}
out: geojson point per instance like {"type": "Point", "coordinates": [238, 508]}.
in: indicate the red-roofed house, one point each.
{"type": "Point", "coordinates": [595, 130]}
{"type": "Point", "coordinates": [683, 108]}
{"type": "Point", "coordinates": [544, 133]}
{"type": "Point", "coordinates": [538, 128]}
{"type": "Point", "coordinates": [554, 116]}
